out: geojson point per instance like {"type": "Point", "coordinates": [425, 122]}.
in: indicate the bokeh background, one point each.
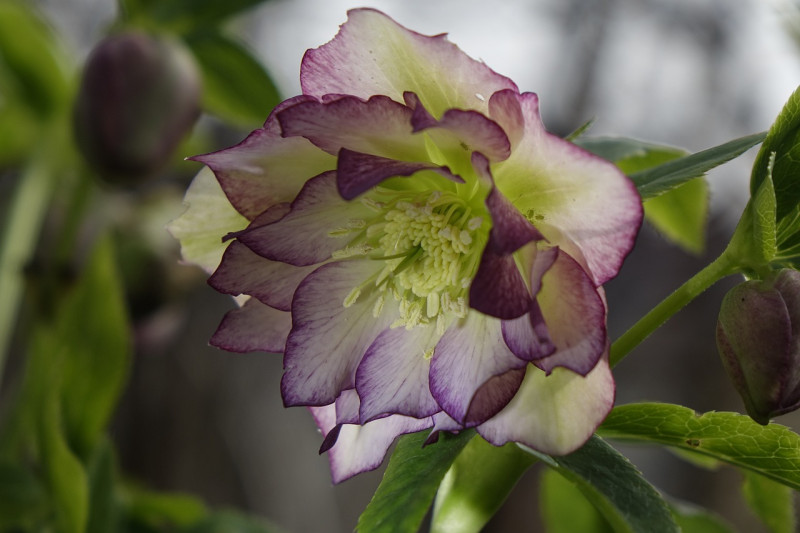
{"type": "Point", "coordinates": [688, 73]}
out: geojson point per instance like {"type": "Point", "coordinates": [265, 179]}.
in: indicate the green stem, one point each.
{"type": "Point", "coordinates": [723, 266]}
{"type": "Point", "coordinates": [23, 224]}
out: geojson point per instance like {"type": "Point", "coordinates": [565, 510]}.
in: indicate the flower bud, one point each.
{"type": "Point", "coordinates": [758, 337]}
{"type": "Point", "coordinates": [139, 96]}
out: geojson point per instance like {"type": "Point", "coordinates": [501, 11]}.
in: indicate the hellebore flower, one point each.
{"type": "Point", "coordinates": [423, 253]}
{"type": "Point", "coordinates": [758, 337]}
{"type": "Point", "coordinates": [139, 96]}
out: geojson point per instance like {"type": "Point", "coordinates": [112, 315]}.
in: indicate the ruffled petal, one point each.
{"type": "Point", "coordinates": [208, 216]}
{"type": "Point", "coordinates": [468, 370]}
{"type": "Point", "coordinates": [328, 340]}
{"type": "Point", "coordinates": [378, 126]}
{"type": "Point", "coordinates": [356, 173]}
{"type": "Point", "coordinates": [393, 376]}
{"type": "Point", "coordinates": [561, 186]}
{"type": "Point", "coordinates": [372, 54]}
{"type": "Point", "coordinates": [265, 168]}
{"type": "Point", "coordinates": [242, 271]}
{"type": "Point", "coordinates": [359, 449]}
{"type": "Point", "coordinates": [505, 109]}
{"type": "Point", "coordinates": [460, 132]}
{"type": "Point", "coordinates": [306, 235]}
{"type": "Point", "coordinates": [575, 314]}
{"type": "Point", "coordinates": [254, 327]}
{"type": "Point", "coordinates": [554, 414]}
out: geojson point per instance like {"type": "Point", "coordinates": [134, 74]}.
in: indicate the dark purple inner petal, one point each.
{"type": "Point", "coordinates": [492, 396]}
{"type": "Point", "coordinates": [498, 288]}
{"type": "Point", "coordinates": [527, 335]}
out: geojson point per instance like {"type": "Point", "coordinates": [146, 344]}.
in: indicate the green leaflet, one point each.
{"type": "Point", "coordinates": [410, 482]}
{"type": "Point", "coordinates": [615, 487]}
{"type": "Point", "coordinates": [236, 87]}
{"type": "Point", "coordinates": [771, 501]}
{"type": "Point", "coordinates": [772, 451]}
{"type": "Point", "coordinates": [183, 15]}
{"type": "Point", "coordinates": [477, 484]}
{"type": "Point", "coordinates": [565, 509]}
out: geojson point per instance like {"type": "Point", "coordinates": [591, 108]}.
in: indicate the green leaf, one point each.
{"type": "Point", "coordinates": [772, 450]}
{"type": "Point", "coordinates": [103, 512]}
{"type": "Point", "coordinates": [662, 178]}
{"type": "Point", "coordinates": [692, 519]}
{"type": "Point", "coordinates": [92, 328]}
{"type": "Point", "coordinates": [764, 221]}
{"type": "Point", "coordinates": [232, 522]}
{"type": "Point", "coordinates": [615, 487]}
{"type": "Point", "coordinates": [772, 502]}
{"type": "Point", "coordinates": [32, 59]}
{"type": "Point", "coordinates": [679, 214]}
{"type": "Point", "coordinates": [565, 509]}
{"type": "Point", "coordinates": [236, 87]}
{"type": "Point", "coordinates": [783, 139]}
{"type": "Point", "coordinates": [184, 15]}
{"type": "Point", "coordinates": [409, 484]}
{"type": "Point", "coordinates": [162, 510]}
{"type": "Point", "coordinates": [477, 484]}
{"type": "Point", "coordinates": [67, 480]}
{"type": "Point", "coordinates": [23, 500]}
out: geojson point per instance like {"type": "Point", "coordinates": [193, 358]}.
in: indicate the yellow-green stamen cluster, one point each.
{"type": "Point", "coordinates": [430, 244]}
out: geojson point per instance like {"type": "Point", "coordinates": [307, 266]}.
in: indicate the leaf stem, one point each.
{"type": "Point", "coordinates": [721, 267]}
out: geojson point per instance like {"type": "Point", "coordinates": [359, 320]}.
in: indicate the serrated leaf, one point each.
{"type": "Point", "coordinates": [764, 220]}
{"type": "Point", "coordinates": [783, 139]}
{"type": "Point", "coordinates": [615, 487]}
{"type": "Point", "coordinates": [410, 482]}
{"type": "Point", "coordinates": [476, 485]}
{"type": "Point", "coordinates": [236, 87]}
{"type": "Point", "coordinates": [772, 502]}
{"type": "Point", "coordinates": [667, 176]}
{"type": "Point", "coordinates": [92, 327]}
{"type": "Point", "coordinates": [565, 509]}
{"type": "Point", "coordinates": [772, 450]}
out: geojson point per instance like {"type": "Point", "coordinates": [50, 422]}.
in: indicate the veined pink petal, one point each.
{"type": "Point", "coordinates": [393, 376]}
{"type": "Point", "coordinates": [469, 355]}
{"type": "Point", "coordinates": [253, 327]}
{"type": "Point", "coordinates": [554, 414]}
{"type": "Point", "coordinates": [265, 168]}
{"type": "Point", "coordinates": [372, 54]}
{"type": "Point", "coordinates": [588, 200]}
{"type": "Point", "coordinates": [362, 448]}
{"type": "Point", "coordinates": [303, 237]}
{"type": "Point", "coordinates": [378, 126]}
{"type": "Point", "coordinates": [505, 109]}
{"type": "Point", "coordinates": [575, 314]}
{"type": "Point", "coordinates": [242, 271]}
{"type": "Point", "coordinates": [328, 340]}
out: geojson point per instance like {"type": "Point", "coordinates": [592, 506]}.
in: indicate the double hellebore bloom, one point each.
{"type": "Point", "coordinates": [758, 336]}
{"type": "Point", "coordinates": [423, 253]}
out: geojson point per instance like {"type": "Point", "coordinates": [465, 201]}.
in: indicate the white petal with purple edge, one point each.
{"type": "Point", "coordinates": [266, 169]}
{"type": "Point", "coordinates": [587, 199]}
{"type": "Point", "coordinates": [554, 414]}
{"type": "Point", "coordinates": [372, 54]}
{"type": "Point", "coordinates": [328, 340]}
{"type": "Point", "coordinates": [469, 354]}
{"type": "Point", "coordinates": [242, 271]}
{"type": "Point", "coordinates": [393, 376]}
{"type": "Point", "coordinates": [362, 448]}
{"type": "Point", "coordinates": [253, 327]}
{"type": "Point", "coordinates": [575, 314]}
{"type": "Point", "coordinates": [208, 216]}
{"type": "Point", "coordinates": [303, 237]}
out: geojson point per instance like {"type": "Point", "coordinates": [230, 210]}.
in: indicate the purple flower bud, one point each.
{"type": "Point", "coordinates": [139, 96]}
{"type": "Point", "coordinates": [758, 336]}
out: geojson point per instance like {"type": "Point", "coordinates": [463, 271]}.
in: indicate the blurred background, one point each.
{"type": "Point", "coordinates": [196, 420]}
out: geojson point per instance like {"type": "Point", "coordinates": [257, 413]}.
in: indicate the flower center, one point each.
{"type": "Point", "coordinates": [431, 249]}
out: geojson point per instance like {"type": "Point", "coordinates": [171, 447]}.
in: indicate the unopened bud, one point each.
{"type": "Point", "coordinates": [758, 337]}
{"type": "Point", "coordinates": [139, 96]}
